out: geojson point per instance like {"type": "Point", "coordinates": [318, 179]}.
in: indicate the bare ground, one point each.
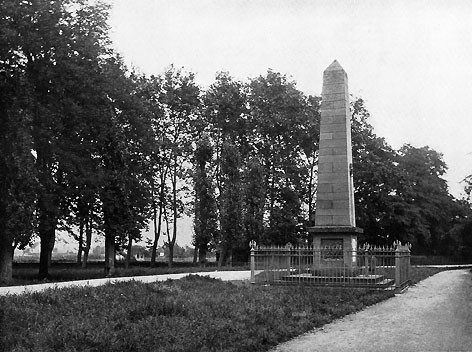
{"type": "Point", "coordinates": [434, 315]}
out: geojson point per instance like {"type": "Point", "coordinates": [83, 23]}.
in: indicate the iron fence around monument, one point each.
{"type": "Point", "coordinates": [367, 266]}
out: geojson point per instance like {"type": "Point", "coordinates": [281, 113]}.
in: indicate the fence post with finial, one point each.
{"type": "Point", "coordinates": [398, 282]}
{"type": "Point", "coordinates": [252, 245]}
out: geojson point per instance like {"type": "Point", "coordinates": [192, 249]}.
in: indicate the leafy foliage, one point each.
{"type": "Point", "coordinates": [284, 123]}
{"type": "Point", "coordinates": [18, 183]}
{"type": "Point", "coordinates": [401, 195]}
{"type": "Point", "coordinates": [79, 117]}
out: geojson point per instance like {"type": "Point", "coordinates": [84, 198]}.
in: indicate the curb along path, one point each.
{"type": "Point", "coordinates": [223, 275]}
{"type": "Point", "coordinates": [434, 315]}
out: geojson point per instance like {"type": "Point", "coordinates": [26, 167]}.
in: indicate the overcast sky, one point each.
{"type": "Point", "coordinates": [411, 61]}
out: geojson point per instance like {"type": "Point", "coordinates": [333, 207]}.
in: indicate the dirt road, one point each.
{"type": "Point", "coordinates": [223, 275]}
{"type": "Point", "coordinates": [435, 315]}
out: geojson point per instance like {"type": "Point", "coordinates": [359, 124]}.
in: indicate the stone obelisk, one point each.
{"type": "Point", "coordinates": [335, 222]}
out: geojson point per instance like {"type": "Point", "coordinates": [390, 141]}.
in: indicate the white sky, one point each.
{"type": "Point", "coordinates": [411, 61]}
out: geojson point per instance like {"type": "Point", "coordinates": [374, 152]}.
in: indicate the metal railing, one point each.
{"type": "Point", "coordinates": [366, 266]}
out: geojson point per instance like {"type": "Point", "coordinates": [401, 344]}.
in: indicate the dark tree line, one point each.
{"type": "Point", "coordinates": [272, 145]}
{"type": "Point", "coordinates": [402, 195]}
{"type": "Point", "coordinates": [88, 146]}
{"type": "Point", "coordinates": [74, 126]}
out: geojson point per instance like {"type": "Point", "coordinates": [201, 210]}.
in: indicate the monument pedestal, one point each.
{"type": "Point", "coordinates": [342, 237]}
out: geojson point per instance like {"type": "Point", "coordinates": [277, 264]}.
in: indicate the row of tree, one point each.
{"type": "Point", "coordinates": [89, 146]}
{"type": "Point", "coordinates": [73, 136]}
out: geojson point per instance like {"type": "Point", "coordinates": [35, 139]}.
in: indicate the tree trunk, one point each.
{"type": "Point", "coordinates": [157, 232]}
{"type": "Point", "coordinates": [195, 255]}
{"type": "Point", "coordinates": [50, 253]}
{"type": "Point", "coordinates": [154, 244]}
{"type": "Point", "coordinates": [158, 226]}
{"type": "Point", "coordinates": [175, 214]}
{"type": "Point", "coordinates": [154, 220]}
{"type": "Point", "coordinates": [81, 242]}
{"type": "Point", "coordinates": [170, 260]}
{"type": "Point", "coordinates": [47, 210]}
{"type": "Point", "coordinates": [222, 255]}
{"type": "Point", "coordinates": [202, 252]}
{"type": "Point", "coordinates": [88, 241]}
{"type": "Point", "coordinates": [272, 196]}
{"type": "Point", "coordinates": [79, 255]}
{"type": "Point", "coordinates": [128, 252]}
{"type": "Point", "coordinates": [47, 235]}
{"type": "Point", "coordinates": [109, 254]}
{"type": "Point", "coordinates": [85, 258]}
{"type": "Point", "coordinates": [48, 203]}
{"type": "Point", "coordinates": [6, 262]}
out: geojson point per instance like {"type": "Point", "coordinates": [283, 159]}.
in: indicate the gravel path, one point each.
{"type": "Point", "coordinates": [223, 275]}
{"type": "Point", "coordinates": [435, 315]}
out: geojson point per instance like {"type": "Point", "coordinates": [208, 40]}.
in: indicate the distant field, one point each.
{"type": "Point", "coordinates": [64, 258]}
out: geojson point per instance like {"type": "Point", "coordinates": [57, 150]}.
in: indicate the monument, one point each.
{"type": "Point", "coordinates": [335, 222]}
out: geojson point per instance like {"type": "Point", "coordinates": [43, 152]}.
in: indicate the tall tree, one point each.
{"type": "Point", "coordinates": [57, 46]}
{"type": "Point", "coordinates": [283, 121]}
{"type": "Point", "coordinates": [225, 111]}
{"type": "Point", "coordinates": [180, 103]}
{"type": "Point", "coordinates": [149, 90]}
{"type": "Point", "coordinates": [310, 146]}
{"type": "Point", "coordinates": [225, 117]}
{"type": "Point", "coordinates": [124, 156]}
{"type": "Point", "coordinates": [400, 195]}
{"type": "Point", "coordinates": [84, 122]}
{"type": "Point", "coordinates": [428, 207]}
{"type": "Point", "coordinates": [375, 178]}
{"type": "Point", "coordinates": [205, 221]}
{"type": "Point", "coordinates": [232, 236]}
{"type": "Point", "coordinates": [17, 174]}
{"type": "Point", "coordinates": [254, 198]}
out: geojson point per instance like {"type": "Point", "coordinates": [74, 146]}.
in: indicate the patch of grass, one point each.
{"type": "Point", "coordinates": [420, 273]}
{"type": "Point", "coordinates": [191, 314]}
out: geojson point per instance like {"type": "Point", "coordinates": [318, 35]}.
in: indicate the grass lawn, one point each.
{"type": "Point", "coordinates": [420, 273]}
{"type": "Point", "coordinates": [191, 314]}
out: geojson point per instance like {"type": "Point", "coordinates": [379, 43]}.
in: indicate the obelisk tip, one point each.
{"type": "Point", "coordinates": [335, 66]}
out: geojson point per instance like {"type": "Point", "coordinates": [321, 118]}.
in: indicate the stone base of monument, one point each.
{"type": "Point", "coordinates": [342, 237]}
